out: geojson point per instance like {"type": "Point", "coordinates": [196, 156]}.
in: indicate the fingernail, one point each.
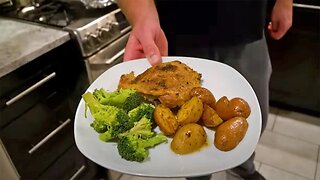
{"type": "Point", "coordinates": [154, 59]}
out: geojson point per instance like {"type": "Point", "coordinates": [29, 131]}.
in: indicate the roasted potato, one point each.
{"type": "Point", "coordinates": [189, 138]}
{"type": "Point", "coordinates": [240, 107]}
{"type": "Point", "coordinates": [235, 107]}
{"type": "Point", "coordinates": [204, 95]}
{"type": "Point", "coordinates": [222, 108]}
{"type": "Point", "coordinates": [165, 119]}
{"type": "Point", "coordinates": [210, 117]}
{"type": "Point", "coordinates": [229, 134]}
{"type": "Point", "coordinates": [190, 111]}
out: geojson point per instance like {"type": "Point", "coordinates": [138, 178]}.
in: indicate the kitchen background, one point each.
{"type": "Point", "coordinates": [52, 50]}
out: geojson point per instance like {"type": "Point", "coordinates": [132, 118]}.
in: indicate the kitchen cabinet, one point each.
{"type": "Point", "coordinates": [37, 107]}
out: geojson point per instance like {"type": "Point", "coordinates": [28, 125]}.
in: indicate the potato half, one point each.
{"type": "Point", "coordinates": [190, 112]}
{"type": "Point", "coordinates": [210, 117]}
{"type": "Point", "coordinates": [189, 138]}
{"type": "Point", "coordinates": [165, 119]}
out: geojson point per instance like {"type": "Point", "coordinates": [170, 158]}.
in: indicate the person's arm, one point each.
{"type": "Point", "coordinates": [281, 18]}
{"type": "Point", "coordinates": [147, 38]}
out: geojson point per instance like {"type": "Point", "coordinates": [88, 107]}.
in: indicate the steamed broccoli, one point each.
{"type": "Point", "coordinates": [143, 109]}
{"type": "Point", "coordinates": [126, 99]}
{"type": "Point", "coordinates": [108, 120]}
{"type": "Point", "coordinates": [142, 128]}
{"type": "Point", "coordinates": [133, 145]}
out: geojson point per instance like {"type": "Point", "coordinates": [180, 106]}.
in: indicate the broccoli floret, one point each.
{"type": "Point", "coordinates": [108, 120]}
{"type": "Point", "coordinates": [142, 128]}
{"type": "Point", "coordinates": [133, 145]}
{"type": "Point", "coordinates": [143, 109]}
{"type": "Point", "coordinates": [126, 99]}
{"type": "Point", "coordinates": [133, 148]}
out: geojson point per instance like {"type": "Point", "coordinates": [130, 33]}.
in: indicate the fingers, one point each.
{"type": "Point", "coordinates": [278, 29]}
{"type": "Point", "coordinates": [163, 44]}
{"type": "Point", "coordinates": [133, 49]}
{"type": "Point", "coordinates": [274, 31]}
{"type": "Point", "coordinates": [150, 49]}
{"type": "Point", "coordinates": [149, 45]}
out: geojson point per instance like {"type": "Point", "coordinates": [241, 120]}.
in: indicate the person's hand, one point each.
{"type": "Point", "coordinates": [147, 40]}
{"type": "Point", "coordinates": [281, 19]}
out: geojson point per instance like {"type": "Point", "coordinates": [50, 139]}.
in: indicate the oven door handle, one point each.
{"type": "Point", "coordinates": [306, 6]}
{"type": "Point", "coordinates": [115, 57]}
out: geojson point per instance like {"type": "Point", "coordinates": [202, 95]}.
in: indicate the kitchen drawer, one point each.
{"type": "Point", "coordinates": [37, 138]}
{"type": "Point", "coordinates": [17, 105]}
{"type": "Point", "coordinates": [26, 86]}
{"type": "Point", "coordinates": [72, 165]}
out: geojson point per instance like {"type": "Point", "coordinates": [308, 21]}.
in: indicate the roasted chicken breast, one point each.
{"type": "Point", "coordinates": [170, 82]}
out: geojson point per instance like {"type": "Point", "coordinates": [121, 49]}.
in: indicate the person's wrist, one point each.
{"type": "Point", "coordinates": [285, 3]}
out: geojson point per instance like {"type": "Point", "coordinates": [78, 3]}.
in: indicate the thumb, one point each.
{"type": "Point", "coordinates": [151, 51]}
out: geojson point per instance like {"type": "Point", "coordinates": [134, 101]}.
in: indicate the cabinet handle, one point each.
{"type": "Point", "coordinates": [39, 144]}
{"type": "Point", "coordinates": [306, 6]}
{"type": "Point", "coordinates": [79, 171]}
{"type": "Point", "coordinates": [31, 88]}
{"type": "Point", "coordinates": [115, 57]}
{"type": "Point", "coordinates": [125, 30]}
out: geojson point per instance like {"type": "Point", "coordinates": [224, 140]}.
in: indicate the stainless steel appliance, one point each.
{"type": "Point", "coordinates": [101, 41]}
{"type": "Point", "coordinates": [100, 33]}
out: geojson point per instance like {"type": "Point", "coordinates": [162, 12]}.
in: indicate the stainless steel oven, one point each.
{"type": "Point", "coordinates": [100, 34]}
{"type": "Point", "coordinates": [106, 58]}
{"type": "Point", "coordinates": [101, 41]}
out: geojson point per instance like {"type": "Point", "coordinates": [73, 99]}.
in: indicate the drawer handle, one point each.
{"type": "Point", "coordinates": [125, 30]}
{"type": "Point", "coordinates": [306, 6]}
{"type": "Point", "coordinates": [33, 87]}
{"type": "Point", "coordinates": [115, 57]}
{"type": "Point", "coordinates": [37, 146]}
{"type": "Point", "coordinates": [79, 171]}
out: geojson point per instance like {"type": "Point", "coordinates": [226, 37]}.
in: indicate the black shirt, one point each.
{"type": "Point", "coordinates": [223, 21]}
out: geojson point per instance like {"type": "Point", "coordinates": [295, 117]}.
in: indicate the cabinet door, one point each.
{"type": "Point", "coordinates": [72, 165]}
{"type": "Point", "coordinates": [39, 137]}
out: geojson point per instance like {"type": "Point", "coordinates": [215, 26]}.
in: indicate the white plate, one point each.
{"type": "Point", "coordinates": [221, 79]}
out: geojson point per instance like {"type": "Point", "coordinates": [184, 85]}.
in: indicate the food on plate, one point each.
{"type": "Point", "coordinates": [235, 107]}
{"type": "Point", "coordinates": [240, 107]}
{"type": "Point", "coordinates": [170, 82]}
{"type": "Point", "coordinates": [166, 120]}
{"type": "Point", "coordinates": [189, 138]}
{"type": "Point", "coordinates": [133, 125]}
{"type": "Point", "coordinates": [204, 95]}
{"type": "Point", "coordinates": [182, 109]}
{"type": "Point", "coordinates": [229, 134]}
{"type": "Point", "coordinates": [190, 112]}
{"type": "Point", "coordinates": [143, 110]}
{"type": "Point", "coordinates": [223, 109]}
{"type": "Point", "coordinates": [210, 117]}
{"type": "Point", "coordinates": [125, 99]}
{"type": "Point", "coordinates": [133, 145]}
{"type": "Point", "coordinates": [108, 120]}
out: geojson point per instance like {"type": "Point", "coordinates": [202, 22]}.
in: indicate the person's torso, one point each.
{"type": "Point", "coordinates": [224, 21]}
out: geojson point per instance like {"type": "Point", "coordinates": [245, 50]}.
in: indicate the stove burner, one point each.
{"type": "Point", "coordinates": [48, 12]}
{"type": "Point", "coordinates": [58, 13]}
